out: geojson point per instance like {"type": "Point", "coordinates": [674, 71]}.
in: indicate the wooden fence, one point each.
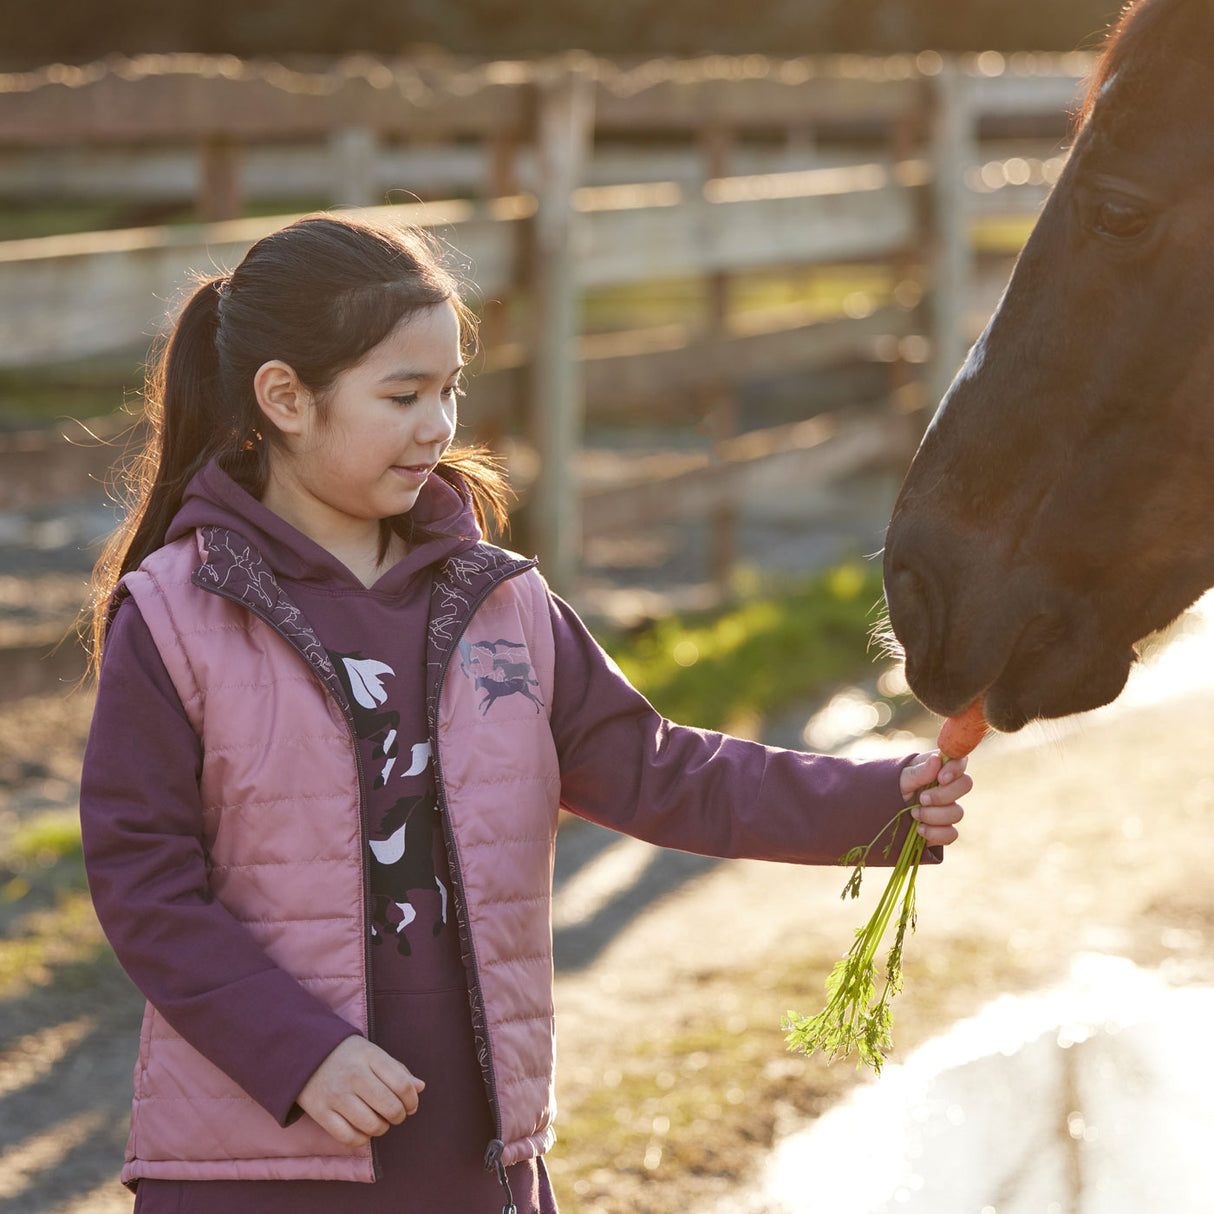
{"type": "Point", "coordinates": [576, 175]}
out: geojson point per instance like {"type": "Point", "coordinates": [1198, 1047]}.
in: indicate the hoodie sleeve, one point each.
{"type": "Point", "coordinates": [626, 767]}
{"type": "Point", "coordinates": [141, 824]}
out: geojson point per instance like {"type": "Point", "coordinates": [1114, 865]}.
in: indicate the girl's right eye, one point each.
{"type": "Point", "coordinates": [410, 399]}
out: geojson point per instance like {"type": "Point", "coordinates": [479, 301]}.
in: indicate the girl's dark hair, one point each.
{"type": "Point", "coordinates": [317, 294]}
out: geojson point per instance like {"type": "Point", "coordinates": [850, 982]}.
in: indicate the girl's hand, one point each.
{"type": "Point", "coordinates": [358, 1091]}
{"type": "Point", "coordinates": [938, 811]}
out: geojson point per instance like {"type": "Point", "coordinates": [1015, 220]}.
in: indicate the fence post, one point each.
{"type": "Point", "coordinates": [717, 145]}
{"type": "Point", "coordinates": [564, 133]}
{"type": "Point", "coordinates": [220, 190]}
{"type": "Point", "coordinates": [498, 311]}
{"type": "Point", "coordinates": [953, 134]}
{"type": "Point", "coordinates": [501, 181]}
{"type": "Point", "coordinates": [907, 389]}
{"type": "Point", "coordinates": [353, 152]}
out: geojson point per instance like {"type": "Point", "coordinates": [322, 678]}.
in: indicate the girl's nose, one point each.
{"type": "Point", "coordinates": [438, 423]}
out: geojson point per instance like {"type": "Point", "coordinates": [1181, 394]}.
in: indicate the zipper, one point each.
{"type": "Point", "coordinates": [348, 717]}
{"type": "Point", "coordinates": [493, 1163]}
{"type": "Point", "coordinates": [493, 1152]}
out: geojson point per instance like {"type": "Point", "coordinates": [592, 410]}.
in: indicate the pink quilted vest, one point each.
{"type": "Point", "coordinates": [284, 843]}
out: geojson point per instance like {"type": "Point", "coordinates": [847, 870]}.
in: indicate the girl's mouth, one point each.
{"type": "Point", "coordinates": [413, 472]}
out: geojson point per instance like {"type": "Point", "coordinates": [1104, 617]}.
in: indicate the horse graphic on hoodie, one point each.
{"type": "Point", "coordinates": [401, 837]}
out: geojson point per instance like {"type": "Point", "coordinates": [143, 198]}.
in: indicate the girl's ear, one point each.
{"type": "Point", "coordinates": [283, 400]}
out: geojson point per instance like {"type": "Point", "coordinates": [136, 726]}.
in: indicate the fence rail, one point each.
{"type": "Point", "coordinates": [170, 98]}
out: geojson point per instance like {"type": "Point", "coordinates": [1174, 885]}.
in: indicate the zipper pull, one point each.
{"type": "Point", "coordinates": [493, 1163]}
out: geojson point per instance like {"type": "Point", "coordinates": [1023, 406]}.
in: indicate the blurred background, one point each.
{"type": "Point", "coordinates": [726, 261]}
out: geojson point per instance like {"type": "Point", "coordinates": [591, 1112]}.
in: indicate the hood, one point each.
{"type": "Point", "coordinates": [443, 515]}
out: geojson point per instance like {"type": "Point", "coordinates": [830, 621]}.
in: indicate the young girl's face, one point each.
{"type": "Point", "coordinates": [386, 422]}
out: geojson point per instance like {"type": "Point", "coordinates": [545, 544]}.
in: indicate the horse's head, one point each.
{"type": "Point", "coordinates": [1059, 508]}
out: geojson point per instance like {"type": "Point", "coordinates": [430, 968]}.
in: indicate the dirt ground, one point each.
{"type": "Point", "coordinates": [674, 971]}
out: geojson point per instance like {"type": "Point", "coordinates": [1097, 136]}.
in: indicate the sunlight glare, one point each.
{"type": "Point", "coordinates": [884, 1145]}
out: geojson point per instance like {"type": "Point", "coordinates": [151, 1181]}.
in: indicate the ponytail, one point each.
{"type": "Point", "coordinates": [186, 426]}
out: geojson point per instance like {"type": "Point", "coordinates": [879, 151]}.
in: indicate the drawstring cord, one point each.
{"type": "Point", "coordinates": [493, 1162]}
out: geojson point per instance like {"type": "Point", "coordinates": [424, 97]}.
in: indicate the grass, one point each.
{"type": "Point", "coordinates": [730, 669]}
{"type": "Point", "coordinates": [45, 839]}
{"type": "Point", "coordinates": [44, 942]}
{"type": "Point", "coordinates": [42, 881]}
{"type": "Point", "coordinates": [828, 290]}
{"type": "Point", "coordinates": [1002, 233]}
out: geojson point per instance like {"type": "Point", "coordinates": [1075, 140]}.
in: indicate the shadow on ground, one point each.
{"type": "Point", "coordinates": [66, 1053]}
{"type": "Point", "coordinates": [579, 845]}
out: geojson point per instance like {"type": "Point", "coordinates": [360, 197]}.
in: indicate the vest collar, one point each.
{"type": "Point", "coordinates": [233, 567]}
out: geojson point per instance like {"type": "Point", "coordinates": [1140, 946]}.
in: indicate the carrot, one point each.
{"type": "Point", "coordinates": [854, 1018]}
{"type": "Point", "coordinates": [960, 734]}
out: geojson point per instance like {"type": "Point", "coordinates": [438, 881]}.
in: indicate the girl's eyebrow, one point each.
{"type": "Point", "coordinates": [408, 373]}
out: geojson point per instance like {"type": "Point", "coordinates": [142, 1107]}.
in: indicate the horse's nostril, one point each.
{"type": "Point", "coordinates": [905, 583]}
{"type": "Point", "coordinates": [908, 598]}
{"type": "Point", "coordinates": [911, 583]}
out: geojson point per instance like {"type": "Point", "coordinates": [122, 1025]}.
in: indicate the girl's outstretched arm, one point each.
{"type": "Point", "coordinates": [626, 767]}
{"type": "Point", "coordinates": [141, 823]}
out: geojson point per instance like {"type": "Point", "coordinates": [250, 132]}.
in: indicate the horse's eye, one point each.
{"type": "Point", "coordinates": [1119, 220]}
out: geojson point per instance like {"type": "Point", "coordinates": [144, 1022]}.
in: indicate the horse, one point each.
{"type": "Point", "coordinates": [1058, 509]}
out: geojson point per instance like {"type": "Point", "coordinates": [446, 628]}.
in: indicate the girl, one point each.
{"type": "Point", "coordinates": [333, 731]}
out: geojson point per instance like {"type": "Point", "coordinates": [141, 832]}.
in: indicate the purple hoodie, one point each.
{"type": "Point", "coordinates": [622, 765]}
